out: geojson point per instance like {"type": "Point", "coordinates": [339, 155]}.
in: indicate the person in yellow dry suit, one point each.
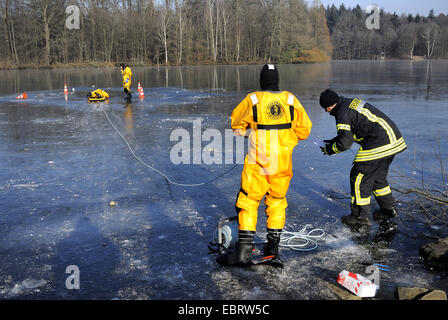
{"type": "Point", "coordinates": [274, 121]}
{"type": "Point", "coordinates": [98, 95]}
{"type": "Point", "coordinates": [126, 73]}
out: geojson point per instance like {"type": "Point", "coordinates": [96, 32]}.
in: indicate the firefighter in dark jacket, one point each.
{"type": "Point", "coordinates": [380, 140]}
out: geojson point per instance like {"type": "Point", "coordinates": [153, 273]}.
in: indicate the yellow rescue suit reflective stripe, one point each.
{"type": "Point", "coordinates": [281, 126]}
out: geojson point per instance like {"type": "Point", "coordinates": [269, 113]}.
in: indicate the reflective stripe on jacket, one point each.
{"type": "Point", "coordinates": [276, 120]}
{"type": "Point", "coordinates": [360, 122]}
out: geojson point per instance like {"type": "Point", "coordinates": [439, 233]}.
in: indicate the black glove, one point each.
{"type": "Point", "coordinates": [324, 150]}
{"type": "Point", "coordinates": [328, 144]}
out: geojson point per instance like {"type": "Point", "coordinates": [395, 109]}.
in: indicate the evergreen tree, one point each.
{"type": "Point", "coordinates": [417, 18]}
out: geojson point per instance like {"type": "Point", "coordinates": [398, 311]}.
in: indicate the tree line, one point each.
{"type": "Point", "coordinates": [404, 36]}
{"type": "Point", "coordinates": [177, 32]}
{"type": "Point", "coordinates": [162, 32]}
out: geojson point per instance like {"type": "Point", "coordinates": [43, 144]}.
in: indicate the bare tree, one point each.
{"type": "Point", "coordinates": [213, 16]}
{"type": "Point", "coordinates": [430, 34]}
{"type": "Point", "coordinates": [4, 10]}
{"type": "Point", "coordinates": [225, 20]}
{"type": "Point", "coordinates": [47, 12]}
{"type": "Point", "coordinates": [237, 30]}
{"type": "Point", "coordinates": [407, 39]}
{"type": "Point", "coordinates": [163, 23]}
{"type": "Point", "coordinates": [181, 26]}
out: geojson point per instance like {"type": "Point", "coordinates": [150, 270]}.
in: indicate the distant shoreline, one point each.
{"type": "Point", "coordinates": [85, 65]}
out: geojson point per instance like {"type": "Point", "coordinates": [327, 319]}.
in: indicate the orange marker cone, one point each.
{"type": "Point", "coordinates": [139, 87]}
{"type": "Point", "coordinates": [22, 96]}
{"type": "Point", "coordinates": [65, 89]}
{"type": "Point", "coordinates": [142, 94]}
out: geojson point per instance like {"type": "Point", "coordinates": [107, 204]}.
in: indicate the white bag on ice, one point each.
{"type": "Point", "coordinates": [357, 284]}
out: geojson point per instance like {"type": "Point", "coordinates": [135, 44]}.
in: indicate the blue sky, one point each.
{"type": "Point", "coordinates": [421, 7]}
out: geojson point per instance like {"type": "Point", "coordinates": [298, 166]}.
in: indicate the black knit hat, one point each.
{"type": "Point", "coordinates": [328, 98]}
{"type": "Point", "coordinates": [269, 77]}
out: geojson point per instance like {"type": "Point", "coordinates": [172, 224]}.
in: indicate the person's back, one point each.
{"type": "Point", "coordinates": [277, 124]}
{"type": "Point", "coordinates": [274, 121]}
{"type": "Point", "coordinates": [377, 134]}
{"type": "Point", "coordinates": [127, 72]}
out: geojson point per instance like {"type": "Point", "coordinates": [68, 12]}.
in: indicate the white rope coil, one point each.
{"type": "Point", "coordinates": [301, 240]}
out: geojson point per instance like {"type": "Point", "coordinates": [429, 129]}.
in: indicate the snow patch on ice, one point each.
{"type": "Point", "coordinates": [49, 121]}
{"type": "Point", "coordinates": [26, 286]}
{"type": "Point", "coordinates": [26, 185]}
{"type": "Point", "coordinates": [188, 119]}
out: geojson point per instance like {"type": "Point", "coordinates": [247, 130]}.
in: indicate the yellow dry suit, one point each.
{"type": "Point", "coordinates": [98, 95]}
{"type": "Point", "coordinates": [127, 75]}
{"type": "Point", "coordinates": [274, 123]}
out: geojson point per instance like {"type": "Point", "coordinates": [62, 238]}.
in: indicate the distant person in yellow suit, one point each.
{"type": "Point", "coordinates": [126, 73]}
{"type": "Point", "coordinates": [274, 121]}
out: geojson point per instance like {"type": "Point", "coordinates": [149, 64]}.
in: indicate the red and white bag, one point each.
{"type": "Point", "coordinates": [357, 284]}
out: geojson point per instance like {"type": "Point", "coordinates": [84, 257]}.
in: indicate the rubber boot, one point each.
{"type": "Point", "coordinates": [357, 223]}
{"type": "Point", "coordinates": [128, 95]}
{"type": "Point", "coordinates": [385, 214]}
{"type": "Point", "coordinates": [241, 256]}
{"type": "Point", "coordinates": [271, 247]}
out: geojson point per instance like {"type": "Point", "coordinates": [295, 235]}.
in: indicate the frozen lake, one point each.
{"type": "Point", "coordinates": [62, 163]}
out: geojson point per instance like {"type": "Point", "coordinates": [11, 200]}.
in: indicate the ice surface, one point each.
{"type": "Point", "coordinates": [62, 164]}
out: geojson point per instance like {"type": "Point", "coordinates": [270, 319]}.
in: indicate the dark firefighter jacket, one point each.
{"type": "Point", "coordinates": [359, 121]}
